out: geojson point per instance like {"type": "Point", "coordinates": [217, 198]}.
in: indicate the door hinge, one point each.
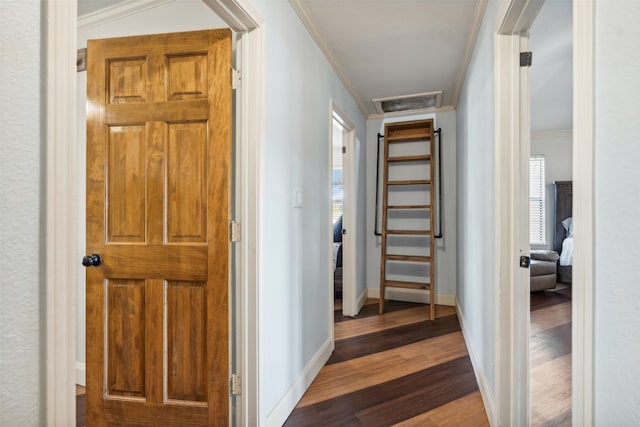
{"type": "Point", "coordinates": [235, 388]}
{"type": "Point", "coordinates": [234, 231]}
{"type": "Point", "coordinates": [81, 60]}
{"type": "Point", "coordinates": [344, 150]}
{"type": "Point", "coordinates": [525, 59]}
{"type": "Point", "coordinates": [525, 261]}
{"type": "Point", "coordinates": [236, 78]}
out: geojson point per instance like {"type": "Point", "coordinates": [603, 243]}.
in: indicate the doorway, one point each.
{"type": "Point", "coordinates": [342, 218]}
{"type": "Point", "coordinates": [64, 163]}
{"type": "Point", "coordinates": [550, 197]}
{"type": "Point", "coordinates": [512, 330]}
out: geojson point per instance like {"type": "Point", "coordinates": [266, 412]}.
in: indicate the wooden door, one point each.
{"type": "Point", "coordinates": [158, 168]}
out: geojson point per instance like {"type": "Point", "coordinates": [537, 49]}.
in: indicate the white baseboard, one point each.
{"type": "Point", "coordinates": [288, 402]}
{"type": "Point", "coordinates": [487, 398]}
{"type": "Point", "coordinates": [412, 295]}
{"type": "Point", "coordinates": [81, 374]}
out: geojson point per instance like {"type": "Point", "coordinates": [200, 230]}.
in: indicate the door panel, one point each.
{"type": "Point", "coordinates": [158, 156]}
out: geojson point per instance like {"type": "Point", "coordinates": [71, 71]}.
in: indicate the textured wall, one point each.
{"type": "Point", "coordinates": [617, 203]}
{"type": "Point", "coordinates": [21, 260]}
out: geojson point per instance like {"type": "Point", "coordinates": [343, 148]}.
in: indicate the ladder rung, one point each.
{"type": "Point", "coordinates": [406, 285]}
{"type": "Point", "coordinates": [412, 258]}
{"type": "Point", "coordinates": [416, 232]}
{"type": "Point", "coordinates": [423, 157]}
{"type": "Point", "coordinates": [410, 182]}
{"type": "Point", "coordinates": [408, 207]}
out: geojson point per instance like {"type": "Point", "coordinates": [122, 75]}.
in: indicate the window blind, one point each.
{"type": "Point", "coordinates": [536, 200]}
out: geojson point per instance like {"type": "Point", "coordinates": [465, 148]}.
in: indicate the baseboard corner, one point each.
{"type": "Point", "coordinates": [290, 399]}
{"type": "Point", "coordinates": [481, 379]}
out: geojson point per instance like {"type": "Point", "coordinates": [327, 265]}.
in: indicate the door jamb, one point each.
{"type": "Point", "coordinates": [511, 358]}
{"type": "Point", "coordinates": [349, 298]}
{"type": "Point", "coordinates": [58, 355]}
{"type": "Point", "coordinates": [514, 17]}
{"type": "Point", "coordinates": [582, 329]}
{"type": "Point", "coordinates": [60, 236]}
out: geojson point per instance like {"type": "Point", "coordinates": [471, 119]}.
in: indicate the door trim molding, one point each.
{"type": "Point", "coordinates": [511, 359]}
{"type": "Point", "coordinates": [61, 203]}
{"type": "Point", "coordinates": [61, 237]}
{"type": "Point", "coordinates": [349, 297]}
{"type": "Point", "coordinates": [582, 329]}
{"type": "Point", "coordinates": [516, 16]}
{"type": "Point", "coordinates": [249, 207]}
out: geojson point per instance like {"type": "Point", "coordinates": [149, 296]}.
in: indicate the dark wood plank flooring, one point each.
{"type": "Point", "coordinates": [401, 369]}
{"type": "Point", "coordinates": [394, 369]}
{"type": "Point", "coordinates": [550, 357]}
{"type": "Point", "coordinates": [81, 406]}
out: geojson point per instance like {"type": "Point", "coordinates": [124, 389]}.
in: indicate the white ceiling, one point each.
{"type": "Point", "coordinates": [393, 48]}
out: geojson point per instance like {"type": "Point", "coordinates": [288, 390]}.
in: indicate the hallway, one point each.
{"type": "Point", "coordinates": [394, 369]}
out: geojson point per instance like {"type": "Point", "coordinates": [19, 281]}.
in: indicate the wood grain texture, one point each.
{"type": "Point", "coordinates": [351, 375]}
{"type": "Point", "coordinates": [387, 339]}
{"type": "Point", "coordinates": [467, 411]}
{"type": "Point", "coordinates": [158, 188]}
{"type": "Point", "coordinates": [550, 358]}
{"type": "Point", "coordinates": [390, 319]}
{"type": "Point", "coordinates": [421, 132]}
{"type": "Point", "coordinates": [401, 381]}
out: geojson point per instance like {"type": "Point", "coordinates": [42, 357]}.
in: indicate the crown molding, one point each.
{"type": "Point", "coordinates": [304, 16]}
{"type": "Point", "coordinates": [471, 44]}
{"type": "Point", "coordinates": [117, 11]}
{"type": "Point", "coordinates": [409, 113]}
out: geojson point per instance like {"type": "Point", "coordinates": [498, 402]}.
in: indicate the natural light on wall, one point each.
{"type": "Point", "coordinates": [536, 201]}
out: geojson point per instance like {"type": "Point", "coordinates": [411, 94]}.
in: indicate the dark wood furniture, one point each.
{"type": "Point", "coordinates": [563, 210]}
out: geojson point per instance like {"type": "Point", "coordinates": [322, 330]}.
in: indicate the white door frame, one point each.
{"type": "Point", "coordinates": [516, 17]}
{"type": "Point", "coordinates": [62, 194]}
{"type": "Point", "coordinates": [349, 298]}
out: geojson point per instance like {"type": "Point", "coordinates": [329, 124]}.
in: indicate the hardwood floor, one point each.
{"type": "Point", "coordinates": [81, 406]}
{"type": "Point", "coordinates": [401, 369]}
{"type": "Point", "coordinates": [394, 369]}
{"type": "Point", "coordinates": [550, 358]}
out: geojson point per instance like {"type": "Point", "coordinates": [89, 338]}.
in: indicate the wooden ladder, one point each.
{"type": "Point", "coordinates": [407, 214]}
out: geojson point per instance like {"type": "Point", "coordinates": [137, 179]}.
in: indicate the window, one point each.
{"type": "Point", "coordinates": [337, 191]}
{"type": "Point", "coordinates": [536, 201]}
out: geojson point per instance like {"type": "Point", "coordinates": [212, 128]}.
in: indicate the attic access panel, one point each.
{"type": "Point", "coordinates": [419, 101]}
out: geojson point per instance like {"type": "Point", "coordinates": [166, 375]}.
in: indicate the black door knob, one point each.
{"type": "Point", "coordinates": [91, 260]}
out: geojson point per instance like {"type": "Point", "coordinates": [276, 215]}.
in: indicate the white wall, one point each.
{"type": "Point", "coordinates": [168, 17]}
{"type": "Point", "coordinates": [21, 216]}
{"type": "Point", "coordinates": [475, 134]}
{"type": "Point", "coordinates": [617, 203]}
{"type": "Point", "coordinates": [557, 149]}
{"type": "Point", "coordinates": [294, 317]}
{"type": "Point", "coordinates": [446, 247]}
{"type": "Point", "coordinates": [447, 251]}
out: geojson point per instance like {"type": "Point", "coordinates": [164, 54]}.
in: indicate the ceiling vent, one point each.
{"type": "Point", "coordinates": [407, 103]}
